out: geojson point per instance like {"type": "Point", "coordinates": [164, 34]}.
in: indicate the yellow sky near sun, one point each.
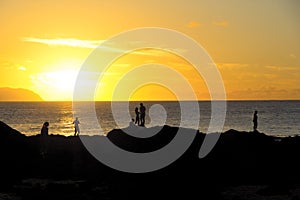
{"type": "Point", "coordinates": [160, 71]}
{"type": "Point", "coordinates": [256, 45]}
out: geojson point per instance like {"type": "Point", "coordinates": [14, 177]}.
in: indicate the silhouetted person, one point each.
{"type": "Point", "coordinates": [44, 142]}
{"type": "Point", "coordinates": [137, 116]}
{"type": "Point", "coordinates": [255, 121]}
{"type": "Point", "coordinates": [131, 124]}
{"type": "Point", "coordinates": [76, 126]}
{"type": "Point", "coordinates": [44, 130]}
{"type": "Point", "coordinates": [143, 114]}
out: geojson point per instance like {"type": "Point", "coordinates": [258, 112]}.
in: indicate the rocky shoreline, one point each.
{"type": "Point", "coordinates": [240, 161]}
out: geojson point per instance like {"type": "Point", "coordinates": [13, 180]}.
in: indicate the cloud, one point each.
{"type": "Point", "coordinates": [22, 68]}
{"type": "Point", "coordinates": [71, 42]}
{"type": "Point", "coordinates": [110, 47]}
{"type": "Point", "coordinates": [220, 23]}
{"type": "Point", "coordinates": [265, 93]}
{"type": "Point", "coordinates": [5, 63]}
{"type": "Point", "coordinates": [193, 24]}
{"type": "Point", "coordinates": [232, 65]}
{"type": "Point", "coordinates": [281, 68]}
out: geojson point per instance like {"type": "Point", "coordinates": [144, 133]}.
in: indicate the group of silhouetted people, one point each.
{"type": "Point", "coordinates": [139, 120]}
{"type": "Point", "coordinates": [45, 132]}
{"type": "Point", "coordinates": [140, 115]}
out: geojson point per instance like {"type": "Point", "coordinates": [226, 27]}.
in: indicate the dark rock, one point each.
{"type": "Point", "coordinates": [274, 190]}
{"type": "Point", "coordinates": [238, 158]}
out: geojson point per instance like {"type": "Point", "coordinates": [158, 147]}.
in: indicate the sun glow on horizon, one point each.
{"type": "Point", "coordinates": [61, 83]}
{"type": "Point", "coordinates": [57, 84]}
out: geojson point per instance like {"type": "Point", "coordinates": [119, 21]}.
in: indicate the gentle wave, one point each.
{"type": "Point", "coordinates": [279, 118]}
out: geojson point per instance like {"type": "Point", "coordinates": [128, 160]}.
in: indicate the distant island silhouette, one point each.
{"type": "Point", "coordinates": [18, 94]}
{"type": "Point", "coordinates": [268, 164]}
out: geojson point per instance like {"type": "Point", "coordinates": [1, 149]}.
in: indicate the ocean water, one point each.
{"type": "Point", "coordinates": [279, 118]}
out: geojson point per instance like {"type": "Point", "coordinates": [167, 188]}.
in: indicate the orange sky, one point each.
{"type": "Point", "coordinates": [255, 45]}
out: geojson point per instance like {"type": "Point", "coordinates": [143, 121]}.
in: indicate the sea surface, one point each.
{"type": "Point", "coordinates": [279, 118]}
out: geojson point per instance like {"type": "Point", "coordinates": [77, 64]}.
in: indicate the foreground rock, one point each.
{"type": "Point", "coordinates": [68, 171]}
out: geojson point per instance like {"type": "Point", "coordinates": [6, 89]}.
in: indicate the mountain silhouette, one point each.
{"type": "Point", "coordinates": [18, 94]}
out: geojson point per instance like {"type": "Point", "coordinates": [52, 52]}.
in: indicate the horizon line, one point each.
{"type": "Point", "coordinates": [204, 100]}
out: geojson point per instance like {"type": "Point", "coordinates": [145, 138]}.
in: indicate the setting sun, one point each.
{"type": "Point", "coordinates": [60, 81]}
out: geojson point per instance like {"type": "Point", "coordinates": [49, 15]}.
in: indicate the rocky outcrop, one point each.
{"type": "Point", "coordinates": [239, 158]}
{"type": "Point", "coordinates": [18, 94]}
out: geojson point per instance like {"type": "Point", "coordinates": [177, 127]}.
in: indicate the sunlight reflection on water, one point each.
{"type": "Point", "coordinates": [275, 117]}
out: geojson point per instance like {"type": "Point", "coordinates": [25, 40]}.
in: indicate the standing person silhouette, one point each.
{"type": "Point", "coordinates": [44, 130]}
{"type": "Point", "coordinates": [143, 114]}
{"type": "Point", "coordinates": [255, 121]}
{"type": "Point", "coordinates": [44, 143]}
{"type": "Point", "coordinates": [76, 126]}
{"type": "Point", "coordinates": [137, 116]}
